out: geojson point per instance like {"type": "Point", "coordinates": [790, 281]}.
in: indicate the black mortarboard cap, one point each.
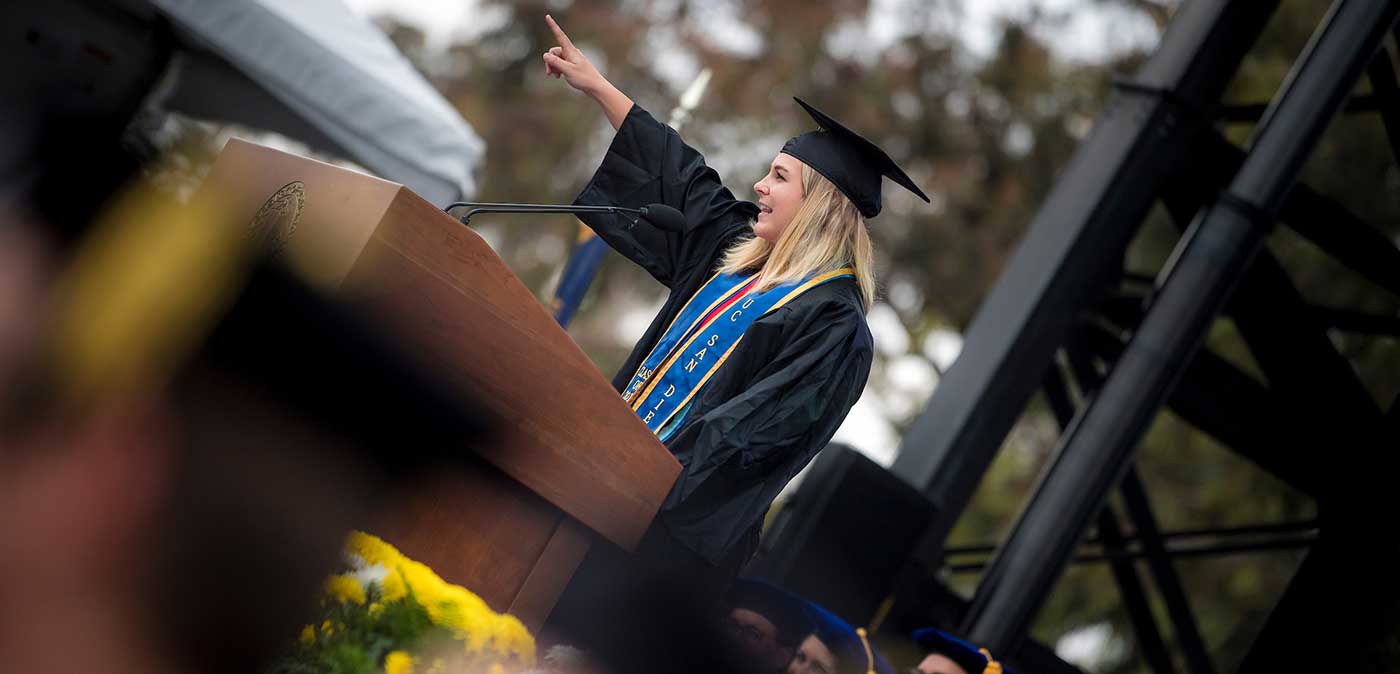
{"type": "Point", "coordinates": [854, 164]}
{"type": "Point", "coordinates": [967, 656]}
{"type": "Point", "coordinates": [316, 357]}
{"type": "Point", "coordinates": [221, 304]}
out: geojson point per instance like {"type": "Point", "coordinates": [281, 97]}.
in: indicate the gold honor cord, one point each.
{"type": "Point", "coordinates": [786, 298]}
{"type": "Point", "coordinates": [680, 347]}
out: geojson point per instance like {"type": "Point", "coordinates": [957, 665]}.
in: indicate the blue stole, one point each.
{"type": "Point", "coordinates": [692, 348]}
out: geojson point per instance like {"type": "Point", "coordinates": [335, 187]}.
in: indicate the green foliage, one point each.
{"type": "Point", "coordinates": [348, 638]}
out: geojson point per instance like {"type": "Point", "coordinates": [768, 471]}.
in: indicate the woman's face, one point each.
{"type": "Point", "coordinates": [779, 195]}
{"type": "Point", "coordinates": [812, 657]}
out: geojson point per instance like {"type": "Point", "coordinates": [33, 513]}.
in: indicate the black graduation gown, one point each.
{"type": "Point", "coordinates": [784, 389]}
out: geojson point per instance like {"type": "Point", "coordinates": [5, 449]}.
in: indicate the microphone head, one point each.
{"type": "Point", "coordinates": [664, 217]}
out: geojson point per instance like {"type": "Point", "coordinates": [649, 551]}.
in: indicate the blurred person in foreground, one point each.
{"type": "Point", "coordinates": [187, 432]}
{"type": "Point", "coordinates": [762, 346]}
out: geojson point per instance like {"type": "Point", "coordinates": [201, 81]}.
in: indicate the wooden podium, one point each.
{"type": "Point", "coordinates": [570, 459]}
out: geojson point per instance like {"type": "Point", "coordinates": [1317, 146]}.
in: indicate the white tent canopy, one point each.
{"type": "Point", "coordinates": [314, 70]}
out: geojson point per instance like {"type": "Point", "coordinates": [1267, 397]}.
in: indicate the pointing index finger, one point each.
{"type": "Point", "coordinates": [559, 34]}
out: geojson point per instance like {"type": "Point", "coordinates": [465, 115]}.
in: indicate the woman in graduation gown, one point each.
{"type": "Point", "coordinates": [762, 346]}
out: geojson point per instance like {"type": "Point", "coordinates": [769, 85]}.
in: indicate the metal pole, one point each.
{"type": "Point", "coordinates": [1215, 252]}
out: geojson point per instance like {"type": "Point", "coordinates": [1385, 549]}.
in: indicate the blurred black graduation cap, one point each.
{"type": "Point", "coordinates": [316, 357]}
{"type": "Point", "coordinates": [855, 165]}
{"type": "Point", "coordinates": [167, 288]}
{"type": "Point", "coordinates": [290, 413]}
{"type": "Point", "coordinates": [969, 657]}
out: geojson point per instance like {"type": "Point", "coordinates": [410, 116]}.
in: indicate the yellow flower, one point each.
{"type": "Point", "coordinates": [464, 613]}
{"type": "Point", "coordinates": [512, 639]}
{"type": "Point", "coordinates": [489, 641]}
{"type": "Point", "coordinates": [427, 586]}
{"type": "Point", "coordinates": [398, 662]}
{"type": "Point", "coordinates": [345, 589]}
{"type": "Point", "coordinates": [372, 549]}
{"type": "Point", "coordinates": [392, 588]}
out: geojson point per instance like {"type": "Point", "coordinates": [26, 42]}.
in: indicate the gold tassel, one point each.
{"type": "Point", "coordinates": [869, 656]}
{"type": "Point", "coordinates": [993, 667]}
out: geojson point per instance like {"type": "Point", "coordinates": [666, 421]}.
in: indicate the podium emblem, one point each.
{"type": "Point", "coordinates": [275, 221]}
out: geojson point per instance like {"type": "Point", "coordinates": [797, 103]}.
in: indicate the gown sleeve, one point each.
{"type": "Point", "coordinates": [791, 409]}
{"type": "Point", "coordinates": [648, 163]}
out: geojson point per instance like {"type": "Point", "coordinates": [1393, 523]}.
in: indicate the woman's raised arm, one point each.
{"type": "Point", "coordinates": [648, 163]}
{"type": "Point", "coordinates": [568, 62]}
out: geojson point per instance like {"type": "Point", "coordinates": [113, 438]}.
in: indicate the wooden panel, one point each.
{"type": "Point", "coordinates": [556, 565]}
{"type": "Point", "coordinates": [339, 211]}
{"type": "Point", "coordinates": [476, 528]}
{"type": "Point", "coordinates": [566, 433]}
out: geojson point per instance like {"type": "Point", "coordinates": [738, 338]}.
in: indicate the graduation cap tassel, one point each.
{"type": "Point", "coordinates": [993, 667]}
{"type": "Point", "coordinates": [869, 657]}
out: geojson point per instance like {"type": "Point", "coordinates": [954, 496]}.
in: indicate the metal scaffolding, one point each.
{"type": "Point", "coordinates": [1157, 142]}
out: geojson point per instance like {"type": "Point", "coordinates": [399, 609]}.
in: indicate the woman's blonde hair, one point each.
{"type": "Point", "coordinates": [826, 233]}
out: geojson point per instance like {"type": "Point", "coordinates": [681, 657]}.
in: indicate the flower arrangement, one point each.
{"type": "Point", "coordinates": [394, 615]}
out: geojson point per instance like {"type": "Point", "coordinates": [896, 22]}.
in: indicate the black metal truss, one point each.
{"type": "Point", "coordinates": [1180, 543]}
{"type": "Point", "coordinates": [1249, 113]}
{"type": "Point", "coordinates": [1135, 602]}
{"type": "Point", "coordinates": [1208, 264]}
{"type": "Point", "coordinates": [1295, 543]}
{"type": "Point", "coordinates": [1314, 216]}
{"type": "Point", "coordinates": [1057, 271]}
{"type": "Point", "coordinates": [1295, 621]}
{"type": "Point", "coordinates": [1240, 412]}
{"type": "Point", "coordinates": [1156, 139]}
{"type": "Point", "coordinates": [1188, 636]}
{"type": "Point", "coordinates": [1287, 340]}
{"type": "Point", "coordinates": [1381, 74]}
{"type": "Point", "coordinates": [1125, 309]}
{"type": "Point", "coordinates": [1139, 510]}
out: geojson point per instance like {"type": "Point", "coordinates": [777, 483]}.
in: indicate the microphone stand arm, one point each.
{"type": "Point", "coordinates": [482, 207]}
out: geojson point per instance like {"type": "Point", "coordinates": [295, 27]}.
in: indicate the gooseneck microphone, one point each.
{"type": "Point", "coordinates": [660, 216]}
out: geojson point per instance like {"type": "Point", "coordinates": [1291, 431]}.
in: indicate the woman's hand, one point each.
{"type": "Point", "coordinates": [568, 62]}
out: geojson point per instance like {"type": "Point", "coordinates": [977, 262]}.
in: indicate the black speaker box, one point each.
{"type": "Point", "coordinates": [842, 538]}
